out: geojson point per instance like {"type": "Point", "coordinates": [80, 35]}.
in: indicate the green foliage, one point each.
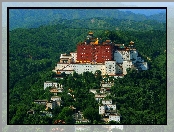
{"type": "Point", "coordinates": [140, 96]}
{"type": "Point", "coordinates": [92, 114]}
{"type": "Point", "coordinates": [100, 19]}
{"type": "Point", "coordinates": [113, 122]}
{"type": "Point", "coordinates": [66, 115]}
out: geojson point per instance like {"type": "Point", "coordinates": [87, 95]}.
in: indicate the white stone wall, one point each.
{"type": "Point", "coordinates": [55, 98]}
{"type": "Point", "coordinates": [114, 118]}
{"type": "Point", "coordinates": [121, 55]}
{"type": "Point", "coordinates": [126, 64]}
{"type": "Point", "coordinates": [101, 109]}
{"type": "Point", "coordinates": [80, 68]}
{"type": "Point", "coordinates": [109, 106]}
{"type": "Point", "coordinates": [65, 56]}
{"type": "Point", "coordinates": [110, 67]}
{"type": "Point", "coordinates": [107, 101]}
{"type": "Point", "coordinates": [49, 84]}
{"type": "Point", "coordinates": [64, 66]}
{"type": "Point", "coordinates": [74, 56]}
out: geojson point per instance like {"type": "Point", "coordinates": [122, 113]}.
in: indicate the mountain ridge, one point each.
{"type": "Point", "coordinates": [28, 18]}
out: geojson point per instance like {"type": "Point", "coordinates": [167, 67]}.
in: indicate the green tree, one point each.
{"type": "Point", "coordinates": [91, 114]}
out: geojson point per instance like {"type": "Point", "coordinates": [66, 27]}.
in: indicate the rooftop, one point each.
{"type": "Point", "coordinates": [40, 100]}
{"type": "Point", "coordinates": [55, 97]}
{"type": "Point", "coordinates": [100, 95]}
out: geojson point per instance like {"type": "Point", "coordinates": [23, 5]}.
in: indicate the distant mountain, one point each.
{"type": "Point", "coordinates": [112, 24]}
{"type": "Point", "coordinates": [31, 18]}
{"type": "Point", "coordinates": [161, 17]}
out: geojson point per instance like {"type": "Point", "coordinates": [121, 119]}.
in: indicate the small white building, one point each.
{"type": "Point", "coordinates": [93, 90]}
{"type": "Point", "coordinates": [55, 98]}
{"type": "Point", "coordinates": [102, 109]}
{"type": "Point", "coordinates": [107, 102]}
{"type": "Point", "coordinates": [51, 104]}
{"type": "Point", "coordinates": [114, 117]}
{"type": "Point", "coordinates": [106, 85]}
{"type": "Point", "coordinates": [107, 107]}
{"type": "Point", "coordinates": [50, 84]}
{"type": "Point", "coordinates": [111, 107]}
{"type": "Point", "coordinates": [99, 97]}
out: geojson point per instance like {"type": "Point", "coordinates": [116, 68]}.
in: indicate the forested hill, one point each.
{"type": "Point", "coordinates": [28, 18]}
{"type": "Point", "coordinates": [46, 43]}
{"type": "Point", "coordinates": [113, 24]}
{"type": "Point", "coordinates": [34, 52]}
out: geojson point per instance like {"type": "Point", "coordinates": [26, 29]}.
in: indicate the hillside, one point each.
{"type": "Point", "coordinates": [34, 52]}
{"type": "Point", "coordinates": [113, 24]}
{"type": "Point", "coordinates": [28, 18]}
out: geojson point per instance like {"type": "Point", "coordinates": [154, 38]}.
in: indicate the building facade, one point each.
{"type": "Point", "coordinates": [50, 84]}
{"type": "Point", "coordinates": [114, 117]}
{"type": "Point", "coordinates": [93, 54]}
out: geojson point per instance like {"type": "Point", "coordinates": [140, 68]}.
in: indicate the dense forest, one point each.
{"type": "Point", "coordinates": [30, 18]}
{"type": "Point", "coordinates": [34, 52]}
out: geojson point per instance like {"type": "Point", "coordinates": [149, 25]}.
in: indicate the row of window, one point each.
{"type": "Point", "coordinates": [109, 63]}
